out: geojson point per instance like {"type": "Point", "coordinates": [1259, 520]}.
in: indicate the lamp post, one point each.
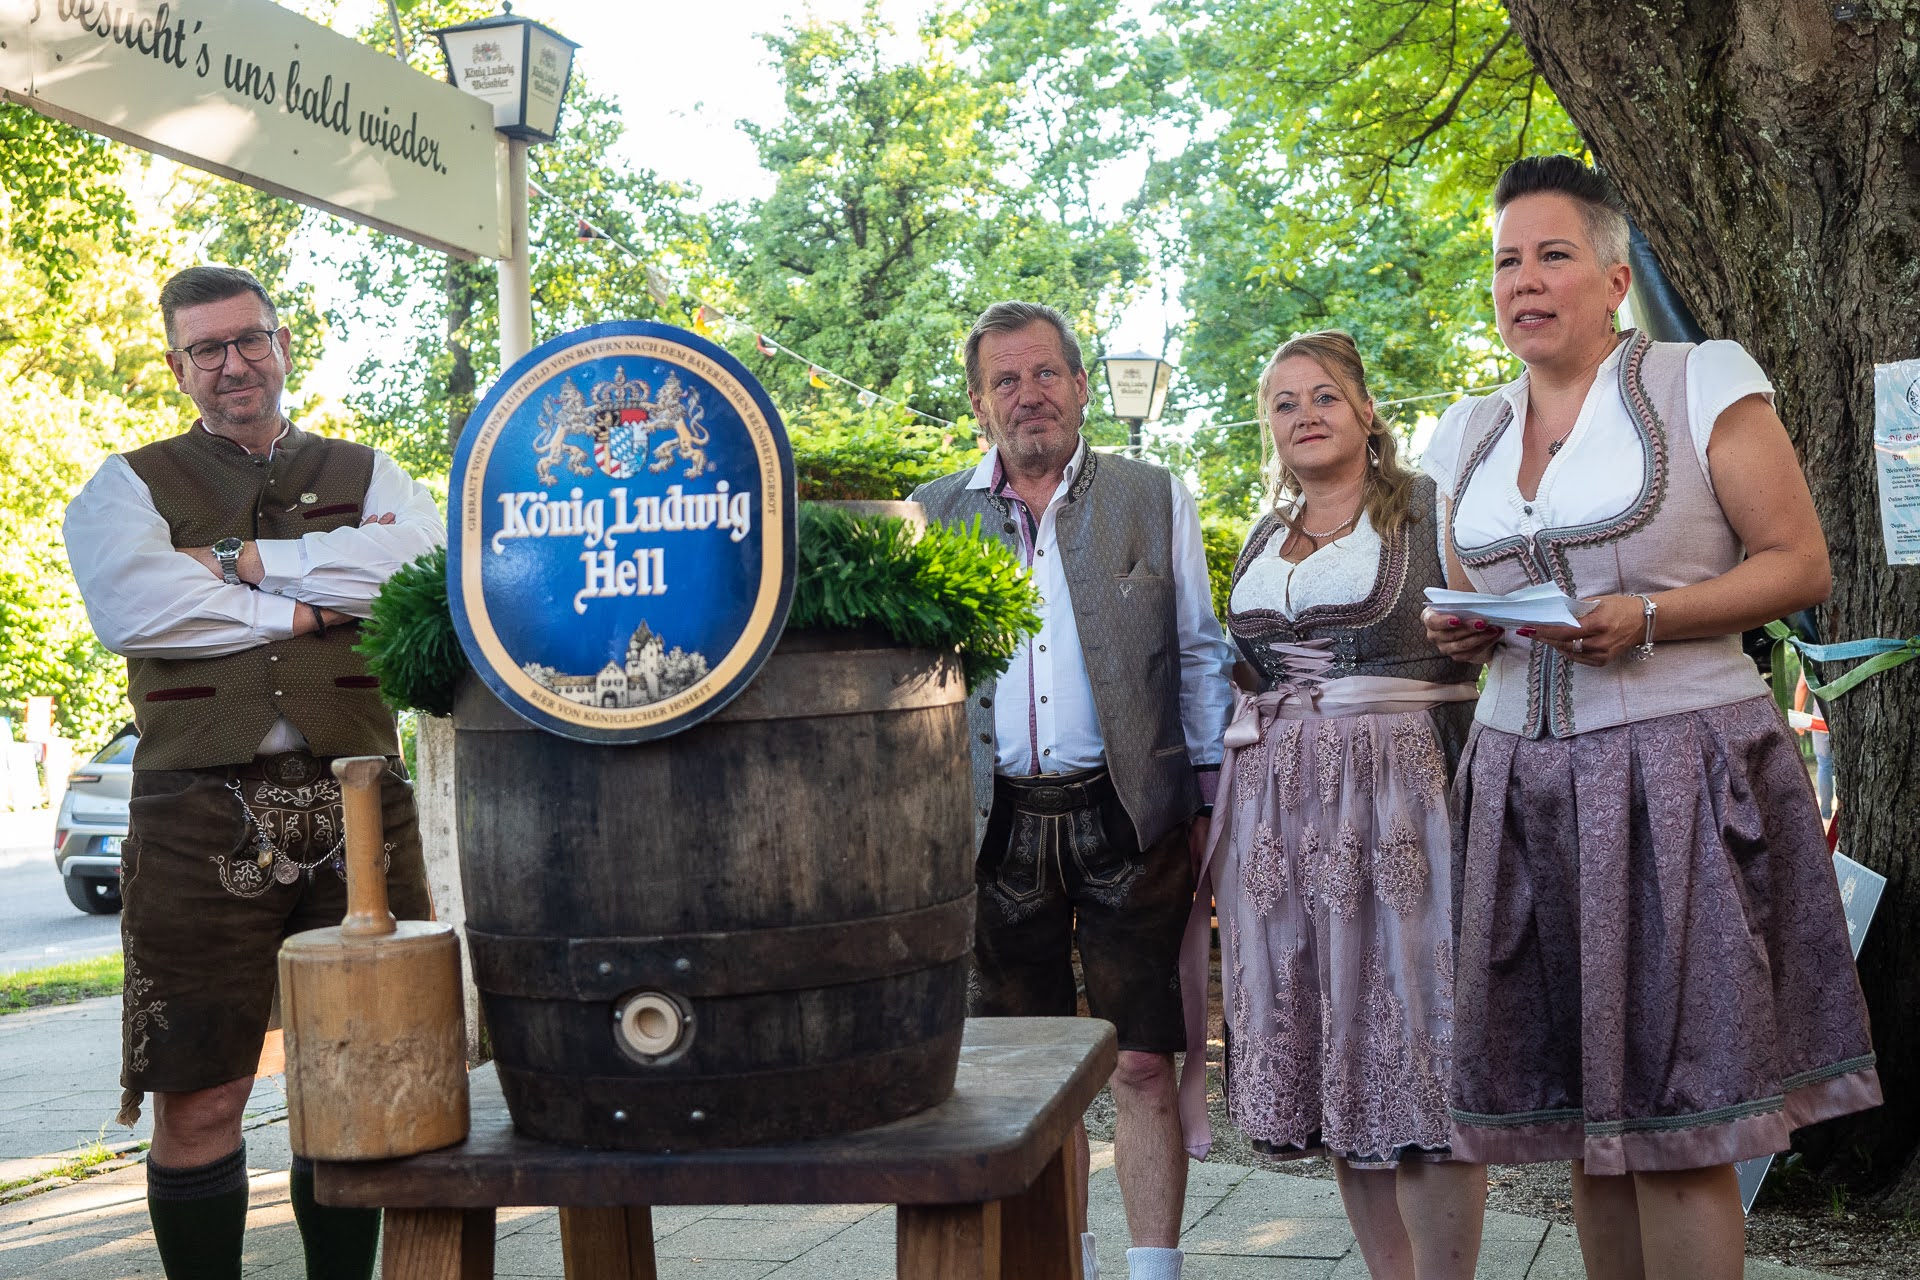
{"type": "Point", "coordinates": [523, 69]}
{"type": "Point", "coordinates": [1137, 389]}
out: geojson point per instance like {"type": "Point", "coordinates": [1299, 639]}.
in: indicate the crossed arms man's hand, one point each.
{"type": "Point", "coordinates": [307, 618]}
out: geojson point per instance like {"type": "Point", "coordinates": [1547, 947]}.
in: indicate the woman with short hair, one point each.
{"type": "Point", "coordinates": [1654, 979]}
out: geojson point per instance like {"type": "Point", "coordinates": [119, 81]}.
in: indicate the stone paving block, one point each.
{"type": "Point", "coordinates": [526, 1254]}
{"type": "Point", "coordinates": [1559, 1256]}
{"type": "Point", "coordinates": [841, 1213]}
{"type": "Point", "coordinates": [1293, 1194]}
{"type": "Point", "coordinates": [1512, 1226]}
{"type": "Point", "coordinates": [712, 1269]}
{"type": "Point", "coordinates": [1256, 1220]}
{"type": "Point", "coordinates": [843, 1259]}
{"type": "Point", "coordinates": [1217, 1267]}
{"type": "Point", "coordinates": [880, 1225]}
{"type": "Point", "coordinates": [746, 1239]}
{"type": "Point", "coordinates": [1206, 1178]}
{"type": "Point", "coordinates": [1504, 1259]}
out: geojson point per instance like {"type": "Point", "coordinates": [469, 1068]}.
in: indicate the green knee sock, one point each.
{"type": "Point", "coordinates": [199, 1217]}
{"type": "Point", "coordinates": [341, 1243]}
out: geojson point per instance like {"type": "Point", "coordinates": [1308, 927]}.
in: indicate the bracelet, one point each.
{"type": "Point", "coordinates": [1644, 649]}
{"type": "Point", "coordinates": [319, 619]}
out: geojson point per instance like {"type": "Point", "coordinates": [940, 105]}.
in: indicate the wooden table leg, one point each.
{"type": "Point", "coordinates": [608, 1244]}
{"type": "Point", "coordinates": [1037, 1236]}
{"type": "Point", "coordinates": [949, 1242]}
{"type": "Point", "coordinates": [438, 1244]}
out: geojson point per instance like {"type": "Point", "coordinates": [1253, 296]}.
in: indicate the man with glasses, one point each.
{"type": "Point", "coordinates": [229, 565]}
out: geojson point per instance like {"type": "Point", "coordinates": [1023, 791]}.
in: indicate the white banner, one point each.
{"type": "Point", "coordinates": [259, 94]}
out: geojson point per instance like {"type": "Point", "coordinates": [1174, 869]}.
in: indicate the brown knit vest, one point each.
{"type": "Point", "coordinates": [198, 712]}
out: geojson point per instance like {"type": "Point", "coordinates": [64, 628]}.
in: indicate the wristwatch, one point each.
{"type": "Point", "coordinates": [227, 552]}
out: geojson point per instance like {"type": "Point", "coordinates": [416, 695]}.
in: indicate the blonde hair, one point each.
{"type": "Point", "coordinates": [1389, 493]}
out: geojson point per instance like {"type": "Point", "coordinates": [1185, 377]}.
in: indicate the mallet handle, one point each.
{"type": "Point", "coordinates": [367, 914]}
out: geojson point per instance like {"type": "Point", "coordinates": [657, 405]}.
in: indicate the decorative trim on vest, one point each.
{"type": "Point", "coordinates": [1388, 582]}
{"type": "Point", "coordinates": [1546, 556]}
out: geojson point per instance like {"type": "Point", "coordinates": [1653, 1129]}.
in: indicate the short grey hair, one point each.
{"type": "Point", "coordinates": [1601, 209]}
{"type": "Point", "coordinates": [198, 285]}
{"type": "Point", "coordinates": [1006, 317]}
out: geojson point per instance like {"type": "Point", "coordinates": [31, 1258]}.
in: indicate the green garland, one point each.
{"type": "Point", "coordinates": [946, 588]}
{"type": "Point", "coordinates": [408, 640]}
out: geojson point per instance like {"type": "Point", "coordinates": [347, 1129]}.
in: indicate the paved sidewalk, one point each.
{"type": "Point", "coordinates": [57, 1068]}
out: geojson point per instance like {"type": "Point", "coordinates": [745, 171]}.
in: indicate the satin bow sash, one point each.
{"type": "Point", "coordinates": [1304, 695]}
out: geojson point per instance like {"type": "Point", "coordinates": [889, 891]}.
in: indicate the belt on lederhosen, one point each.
{"type": "Point", "coordinates": [295, 825]}
{"type": "Point", "coordinates": [287, 768]}
{"type": "Point", "coordinates": [1050, 794]}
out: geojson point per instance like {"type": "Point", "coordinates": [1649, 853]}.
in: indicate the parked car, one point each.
{"type": "Point", "coordinates": [92, 824]}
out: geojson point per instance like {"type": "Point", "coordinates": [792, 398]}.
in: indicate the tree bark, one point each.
{"type": "Point", "coordinates": [1769, 150]}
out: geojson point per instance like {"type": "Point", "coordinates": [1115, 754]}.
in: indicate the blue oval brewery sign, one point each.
{"type": "Point", "coordinates": [623, 549]}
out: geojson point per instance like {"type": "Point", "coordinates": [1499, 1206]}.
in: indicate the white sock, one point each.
{"type": "Point", "coordinates": [1089, 1259]}
{"type": "Point", "coordinates": [1154, 1264]}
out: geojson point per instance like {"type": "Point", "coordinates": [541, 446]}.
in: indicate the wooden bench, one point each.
{"type": "Point", "coordinates": [982, 1181]}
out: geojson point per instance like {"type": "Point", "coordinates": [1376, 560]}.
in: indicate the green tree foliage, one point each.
{"type": "Point", "coordinates": [80, 356]}
{"type": "Point", "coordinates": [900, 211]}
{"type": "Point", "coordinates": [1343, 185]}
{"type": "Point", "coordinates": [438, 317]}
{"type": "Point", "coordinates": [845, 452]}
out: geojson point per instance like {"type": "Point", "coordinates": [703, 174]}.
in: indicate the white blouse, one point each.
{"type": "Point", "coordinates": [1339, 572]}
{"type": "Point", "coordinates": [1597, 473]}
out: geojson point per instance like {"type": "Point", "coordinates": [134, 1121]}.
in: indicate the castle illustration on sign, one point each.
{"type": "Point", "coordinates": [652, 672]}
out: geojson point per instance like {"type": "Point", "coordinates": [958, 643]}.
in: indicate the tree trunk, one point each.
{"type": "Point", "coordinates": [1770, 152]}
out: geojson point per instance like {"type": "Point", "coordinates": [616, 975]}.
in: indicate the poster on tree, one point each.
{"type": "Point", "coordinates": [1896, 448]}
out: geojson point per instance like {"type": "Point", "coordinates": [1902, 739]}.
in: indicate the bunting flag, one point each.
{"type": "Point", "coordinates": [704, 319]}
{"type": "Point", "coordinates": [659, 287]}
{"type": "Point", "coordinates": [764, 345]}
{"type": "Point", "coordinates": [868, 398]}
{"type": "Point", "coordinates": [816, 376]}
{"type": "Point", "coordinates": [588, 232]}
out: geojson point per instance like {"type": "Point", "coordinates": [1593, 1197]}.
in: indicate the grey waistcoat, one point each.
{"type": "Point", "coordinates": [1672, 535]}
{"type": "Point", "coordinates": [1115, 530]}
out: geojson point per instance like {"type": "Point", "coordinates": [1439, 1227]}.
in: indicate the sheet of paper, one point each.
{"type": "Point", "coordinates": [1896, 450]}
{"type": "Point", "coordinates": [1542, 605]}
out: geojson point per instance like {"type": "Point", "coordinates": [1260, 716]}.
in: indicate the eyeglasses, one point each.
{"type": "Point", "coordinates": [212, 354]}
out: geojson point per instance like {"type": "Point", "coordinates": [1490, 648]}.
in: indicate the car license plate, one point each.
{"type": "Point", "coordinates": [110, 844]}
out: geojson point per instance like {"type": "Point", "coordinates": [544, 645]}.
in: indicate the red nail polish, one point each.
{"type": "Point", "coordinates": [1525, 631]}
{"type": "Point", "coordinates": [1479, 624]}
{"type": "Point", "coordinates": [1453, 622]}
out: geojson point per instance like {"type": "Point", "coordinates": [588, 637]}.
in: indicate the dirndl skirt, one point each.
{"type": "Point", "coordinates": [1653, 965]}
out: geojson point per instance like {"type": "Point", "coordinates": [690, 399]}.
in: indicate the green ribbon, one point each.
{"type": "Point", "coordinates": [1880, 654]}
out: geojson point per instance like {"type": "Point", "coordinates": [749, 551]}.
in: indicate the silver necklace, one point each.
{"type": "Point", "coordinates": [1337, 528]}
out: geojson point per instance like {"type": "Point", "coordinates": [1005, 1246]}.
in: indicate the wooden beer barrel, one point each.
{"type": "Point", "coordinates": [756, 930]}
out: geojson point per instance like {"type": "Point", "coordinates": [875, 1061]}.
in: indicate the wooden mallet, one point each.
{"type": "Point", "coordinates": [376, 1040]}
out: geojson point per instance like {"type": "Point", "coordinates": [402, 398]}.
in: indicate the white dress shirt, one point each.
{"type": "Point", "coordinates": [1597, 473]}
{"type": "Point", "coordinates": [145, 599]}
{"type": "Point", "coordinates": [1044, 717]}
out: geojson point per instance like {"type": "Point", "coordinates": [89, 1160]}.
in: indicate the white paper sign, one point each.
{"type": "Point", "coordinates": [257, 93]}
{"type": "Point", "coordinates": [1896, 448]}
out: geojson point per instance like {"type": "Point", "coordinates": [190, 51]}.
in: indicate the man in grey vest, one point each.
{"type": "Point", "coordinates": [230, 565]}
{"type": "Point", "coordinates": [1096, 754]}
